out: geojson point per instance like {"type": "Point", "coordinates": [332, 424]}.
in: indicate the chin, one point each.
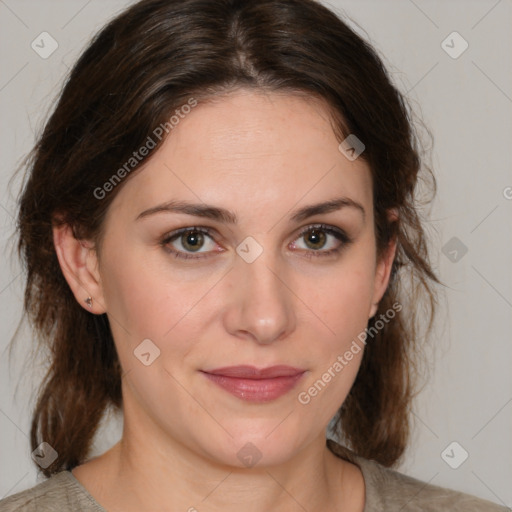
{"type": "Point", "coordinates": [271, 445]}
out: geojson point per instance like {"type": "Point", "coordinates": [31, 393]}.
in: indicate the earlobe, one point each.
{"type": "Point", "coordinates": [79, 265]}
{"type": "Point", "coordinates": [375, 306]}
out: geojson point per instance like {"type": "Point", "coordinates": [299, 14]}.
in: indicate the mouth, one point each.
{"type": "Point", "coordinates": [256, 385]}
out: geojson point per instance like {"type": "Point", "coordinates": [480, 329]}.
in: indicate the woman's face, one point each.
{"type": "Point", "coordinates": [262, 288]}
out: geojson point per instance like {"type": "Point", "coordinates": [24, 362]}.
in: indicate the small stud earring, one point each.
{"type": "Point", "coordinates": [88, 301]}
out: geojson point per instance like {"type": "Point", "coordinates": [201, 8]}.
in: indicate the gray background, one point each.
{"type": "Point", "coordinates": [466, 102]}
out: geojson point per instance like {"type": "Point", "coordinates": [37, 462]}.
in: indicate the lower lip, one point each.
{"type": "Point", "coordinates": [256, 390]}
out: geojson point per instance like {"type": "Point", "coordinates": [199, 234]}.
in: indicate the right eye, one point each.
{"type": "Point", "coordinates": [186, 242]}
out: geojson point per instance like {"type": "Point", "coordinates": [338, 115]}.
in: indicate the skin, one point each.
{"type": "Point", "coordinates": [262, 157]}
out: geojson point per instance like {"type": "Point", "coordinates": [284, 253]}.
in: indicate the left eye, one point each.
{"type": "Point", "coordinates": [317, 237]}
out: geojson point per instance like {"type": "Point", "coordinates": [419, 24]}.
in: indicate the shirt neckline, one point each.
{"type": "Point", "coordinates": [73, 480]}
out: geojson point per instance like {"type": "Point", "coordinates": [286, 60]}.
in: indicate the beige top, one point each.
{"type": "Point", "coordinates": [386, 491]}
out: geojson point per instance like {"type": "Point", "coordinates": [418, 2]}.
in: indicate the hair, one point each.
{"type": "Point", "coordinates": [142, 66]}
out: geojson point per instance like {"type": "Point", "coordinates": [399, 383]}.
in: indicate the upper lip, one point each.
{"type": "Point", "coordinates": [251, 372]}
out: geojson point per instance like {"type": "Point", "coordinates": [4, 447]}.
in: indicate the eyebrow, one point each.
{"type": "Point", "coordinates": [228, 217]}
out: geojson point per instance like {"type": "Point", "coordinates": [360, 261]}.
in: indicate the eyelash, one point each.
{"type": "Point", "coordinates": [336, 232]}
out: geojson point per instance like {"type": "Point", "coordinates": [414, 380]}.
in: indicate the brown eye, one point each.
{"type": "Point", "coordinates": [315, 239]}
{"type": "Point", "coordinates": [183, 243]}
{"type": "Point", "coordinates": [321, 240]}
{"type": "Point", "coordinates": [192, 240]}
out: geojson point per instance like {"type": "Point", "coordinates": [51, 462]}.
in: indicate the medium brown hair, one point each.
{"type": "Point", "coordinates": [138, 69]}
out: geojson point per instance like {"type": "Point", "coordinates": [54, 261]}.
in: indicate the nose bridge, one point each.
{"type": "Point", "coordinates": [262, 304]}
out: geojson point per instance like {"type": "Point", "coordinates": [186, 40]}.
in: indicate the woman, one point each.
{"type": "Point", "coordinates": [217, 222]}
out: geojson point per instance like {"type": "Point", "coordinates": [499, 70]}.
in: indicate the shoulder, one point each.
{"type": "Point", "coordinates": [386, 489]}
{"type": "Point", "coordinates": [59, 492]}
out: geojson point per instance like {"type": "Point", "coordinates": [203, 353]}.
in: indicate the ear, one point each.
{"type": "Point", "coordinates": [79, 264]}
{"type": "Point", "coordinates": [383, 268]}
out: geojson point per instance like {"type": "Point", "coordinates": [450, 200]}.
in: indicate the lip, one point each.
{"type": "Point", "coordinates": [256, 385]}
{"type": "Point", "coordinates": [251, 372]}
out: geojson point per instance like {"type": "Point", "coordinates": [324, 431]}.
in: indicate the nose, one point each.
{"type": "Point", "coordinates": [261, 302]}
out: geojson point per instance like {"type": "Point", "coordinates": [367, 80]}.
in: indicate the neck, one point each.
{"type": "Point", "coordinates": [183, 480]}
{"type": "Point", "coordinates": [150, 470]}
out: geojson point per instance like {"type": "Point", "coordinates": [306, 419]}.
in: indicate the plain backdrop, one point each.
{"type": "Point", "coordinates": [463, 94]}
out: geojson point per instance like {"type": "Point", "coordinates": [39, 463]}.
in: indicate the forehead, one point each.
{"type": "Point", "coordinates": [249, 152]}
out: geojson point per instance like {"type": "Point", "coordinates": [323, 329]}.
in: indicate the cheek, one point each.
{"type": "Point", "coordinates": [148, 298]}
{"type": "Point", "coordinates": [144, 293]}
{"type": "Point", "coordinates": [146, 302]}
{"type": "Point", "coordinates": [342, 303]}
{"type": "Point", "coordinates": [342, 298]}
{"type": "Point", "coordinates": [343, 307]}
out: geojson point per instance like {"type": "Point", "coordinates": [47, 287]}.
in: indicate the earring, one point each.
{"type": "Point", "coordinates": [88, 301]}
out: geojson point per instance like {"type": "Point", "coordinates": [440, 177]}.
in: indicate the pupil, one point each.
{"type": "Point", "coordinates": [316, 237]}
{"type": "Point", "coordinates": [193, 240]}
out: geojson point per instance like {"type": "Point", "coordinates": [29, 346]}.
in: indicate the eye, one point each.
{"type": "Point", "coordinates": [187, 241]}
{"type": "Point", "coordinates": [322, 240]}
{"type": "Point", "coordinates": [197, 242]}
